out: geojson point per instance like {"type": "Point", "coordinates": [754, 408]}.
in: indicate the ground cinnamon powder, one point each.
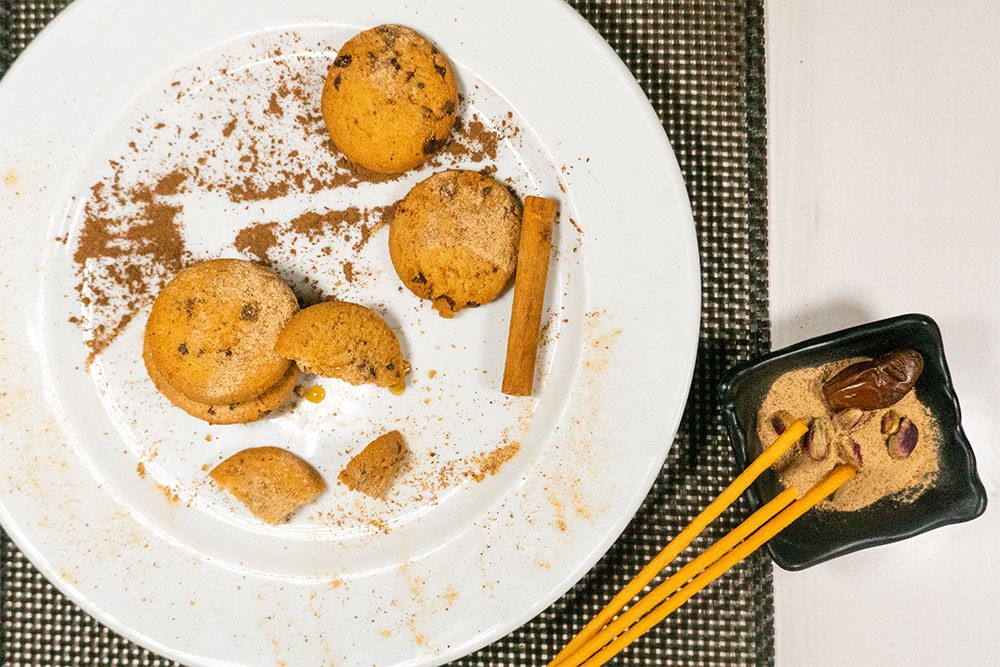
{"type": "Point", "coordinates": [124, 257]}
{"type": "Point", "coordinates": [799, 392]}
{"type": "Point", "coordinates": [131, 237]}
{"type": "Point", "coordinates": [257, 240]}
{"type": "Point", "coordinates": [492, 462]}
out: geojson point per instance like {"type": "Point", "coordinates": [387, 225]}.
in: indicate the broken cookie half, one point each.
{"type": "Point", "coordinates": [343, 340]}
{"type": "Point", "coordinates": [272, 482]}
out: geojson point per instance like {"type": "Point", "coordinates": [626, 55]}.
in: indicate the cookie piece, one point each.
{"type": "Point", "coordinates": [272, 482]}
{"type": "Point", "coordinates": [374, 468]}
{"type": "Point", "coordinates": [231, 413]}
{"type": "Point", "coordinates": [390, 99]}
{"type": "Point", "coordinates": [453, 239]}
{"type": "Point", "coordinates": [212, 329]}
{"type": "Point", "coordinates": [337, 339]}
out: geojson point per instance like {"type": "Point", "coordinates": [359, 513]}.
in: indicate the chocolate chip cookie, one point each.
{"type": "Point", "coordinates": [390, 99]}
{"type": "Point", "coordinates": [453, 239]}
{"type": "Point", "coordinates": [212, 329]}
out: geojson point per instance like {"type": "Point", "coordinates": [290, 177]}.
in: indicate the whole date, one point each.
{"type": "Point", "coordinates": [874, 384]}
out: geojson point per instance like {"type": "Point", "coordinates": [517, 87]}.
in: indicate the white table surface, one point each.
{"type": "Point", "coordinates": [884, 179]}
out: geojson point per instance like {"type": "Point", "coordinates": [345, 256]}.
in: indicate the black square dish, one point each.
{"type": "Point", "coordinates": [957, 493]}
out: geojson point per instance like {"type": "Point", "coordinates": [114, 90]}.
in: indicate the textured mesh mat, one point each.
{"type": "Point", "coordinates": [701, 64]}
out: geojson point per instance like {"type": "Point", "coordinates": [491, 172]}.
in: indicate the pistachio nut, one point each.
{"type": "Point", "coordinates": [902, 443]}
{"type": "Point", "coordinates": [817, 438]}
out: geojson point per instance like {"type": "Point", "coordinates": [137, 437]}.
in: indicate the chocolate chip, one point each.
{"type": "Point", "coordinates": [410, 75]}
{"type": "Point", "coordinates": [486, 191]}
{"type": "Point", "coordinates": [472, 304]}
{"type": "Point", "coordinates": [448, 107]}
{"type": "Point", "coordinates": [211, 410]}
{"type": "Point", "coordinates": [419, 279]}
{"type": "Point", "coordinates": [248, 312]}
{"type": "Point", "coordinates": [228, 352]}
{"type": "Point", "coordinates": [432, 144]}
{"type": "Point", "coordinates": [390, 366]}
{"type": "Point", "coordinates": [420, 84]}
{"type": "Point", "coordinates": [395, 64]}
{"type": "Point", "coordinates": [426, 111]}
{"type": "Point", "coordinates": [388, 35]}
{"type": "Point", "coordinates": [343, 61]}
{"type": "Point", "coordinates": [336, 82]}
{"type": "Point", "coordinates": [183, 349]}
{"type": "Point", "coordinates": [441, 70]}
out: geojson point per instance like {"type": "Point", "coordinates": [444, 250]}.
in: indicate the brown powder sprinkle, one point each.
{"type": "Point", "coordinates": [484, 140]}
{"type": "Point", "coordinates": [312, 225]}
{"type": "Point", "coordinates": [473, 141]}
{"type": "Point", "coordinates": [491, 463]}
{"type": "Point", "coordinates": [169, 493]}
{"type": "Point", "coordinates": [257, 240]}
{"type": "Point", "coordinates": [131, 236]}
{"type": "Point", "coordinates": [249, 190]}
{"type": "Point", "coordinates": [170, 184]}
{"type": "Point", "coordinates": [123, 260]}
{"type": "Point", "coordinates": [273, 107]}
{"type": "Point", "coordinates": [352, 225]}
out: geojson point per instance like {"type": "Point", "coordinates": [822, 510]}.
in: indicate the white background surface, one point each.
{"type": "Point", "coordinates": [884, 170]}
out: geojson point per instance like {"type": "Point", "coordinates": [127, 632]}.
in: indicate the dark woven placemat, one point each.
{"type": "Point", "coordinates": [702, 66]}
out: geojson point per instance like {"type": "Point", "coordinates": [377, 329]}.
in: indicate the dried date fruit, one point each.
{"type": "Point", "coordinates": [874, 384]}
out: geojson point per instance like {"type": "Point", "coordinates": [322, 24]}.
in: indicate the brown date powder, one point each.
{"type": "Point", "coordinates": [800, 393]}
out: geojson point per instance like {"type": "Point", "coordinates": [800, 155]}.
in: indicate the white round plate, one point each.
{"type": "Point", "coordinates": [204, 117]}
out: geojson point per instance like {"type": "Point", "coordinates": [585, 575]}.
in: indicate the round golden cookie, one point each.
{"type": "Point", "coordinates": [390, 99]}
{"type": "Point", "coordinates": [231, 413]}
{"type": "Point", "coordinates": [342, 340]}
{"type": "Point", "coordinates": [453, 239]}
{"type": "Point", "coordinates": [212, 329]}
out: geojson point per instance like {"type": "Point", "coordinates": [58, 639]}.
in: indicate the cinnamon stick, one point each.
{"type": "Point", "coordinates": [533, 252]}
